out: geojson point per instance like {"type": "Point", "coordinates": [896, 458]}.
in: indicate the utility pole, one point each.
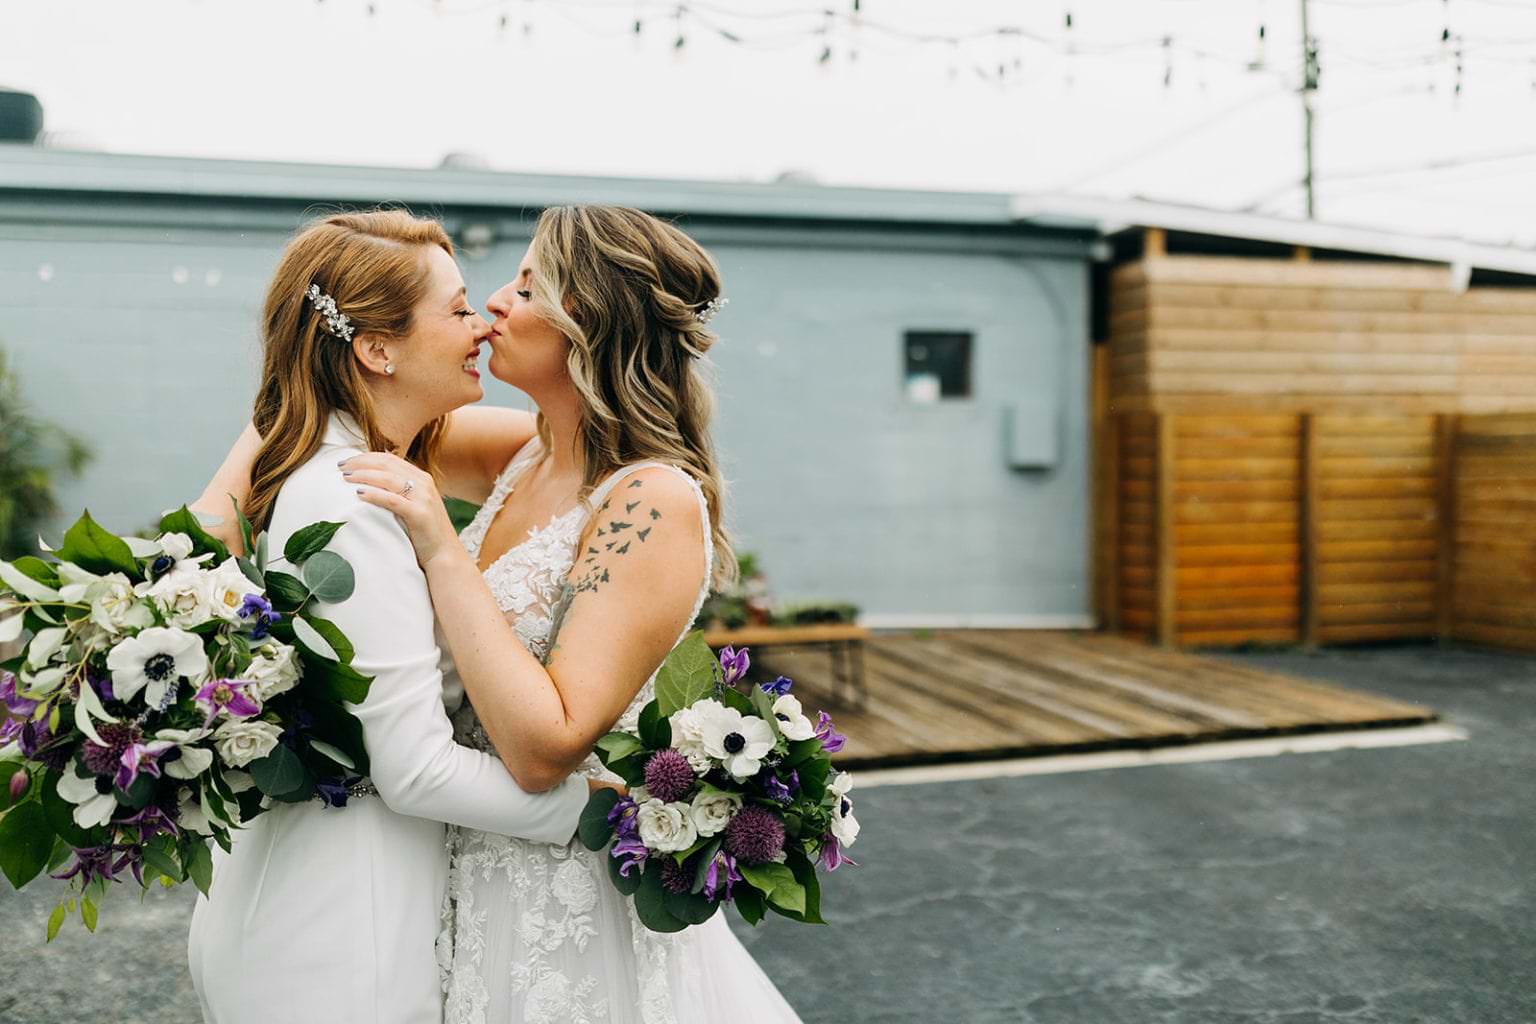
{"type": "Point", "coordinates": [1308, 87]}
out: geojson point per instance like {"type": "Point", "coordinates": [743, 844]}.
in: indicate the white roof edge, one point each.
{"type": "Point", "coordinates": [1115, 215]}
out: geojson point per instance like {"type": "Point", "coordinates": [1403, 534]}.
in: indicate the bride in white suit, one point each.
{"type": "Point", "coordinates": [330, 914]}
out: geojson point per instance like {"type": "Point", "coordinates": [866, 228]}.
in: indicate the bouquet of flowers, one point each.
{"type": "Point", "coordinates": [168, 693]}
{"type": "Point", "coordinates": [733, 797]}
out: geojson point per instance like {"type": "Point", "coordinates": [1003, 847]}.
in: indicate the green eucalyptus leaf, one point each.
{"type": "Point", "coordinates": [593, 829]}
{"type": "Point", "coordinates": [749, 904]}
{"type": "Point", "coordinates": [261, 551]}
{"type": "Point", "coordinates": [280, 773]}
{"type": "Point", "coordinates": [651, 902]}
{"type": "Point", "coordinates": [689, 907]}
{"type": "Point", "coordinates": [329, 576]}
{"type": "Point", "coordinates": [335, 755]}
{"type": "Point", "coordinates": [333, 636]}
{"type": "Point", "coordinates": [311, 639]}
{"type": "Point", "coordinates": [248, 568]}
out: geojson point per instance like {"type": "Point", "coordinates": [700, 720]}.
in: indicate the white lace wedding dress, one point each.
{"type": "Point", "coordinates": [536, 933]}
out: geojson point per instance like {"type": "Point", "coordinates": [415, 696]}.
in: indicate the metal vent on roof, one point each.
{"type": "Point", "coordinates": [21, 117]}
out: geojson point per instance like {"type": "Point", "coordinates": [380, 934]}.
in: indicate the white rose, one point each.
{"type": "Point", "coordinates": [183, 595]}
{"type": "Point", "coordinates": [274, 670]}
{"type": "Point", "coordinates": [845, 827]}
{"type": "Point", "coordinates": [240, 743]}
{"type": "Point", "coordinates": [115, 607]}
{"type": "Point", "coordinates": [178, 546]}
{"type": "Point", "coordinates": [226, 590]}
{"type": "Point", "coordinates": [712, 811]}
{"type": "Point", "coordinates": [688, 734]}
{"type": "Point", "coordinates": [792, 720]}
{"type": "Point", "coordinates": [666, 828]}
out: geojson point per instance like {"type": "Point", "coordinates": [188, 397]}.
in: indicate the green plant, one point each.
{"type": "Point", "coordinates": [32, 453]}
{"type": "Point", "coordinates": [809, 613]}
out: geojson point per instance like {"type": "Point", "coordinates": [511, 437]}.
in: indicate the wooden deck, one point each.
{"type": "Point", "coordinates": [957, 695]}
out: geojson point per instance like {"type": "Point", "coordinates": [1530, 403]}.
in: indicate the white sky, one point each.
{"type": "Point", "coordinates": [580, 93]}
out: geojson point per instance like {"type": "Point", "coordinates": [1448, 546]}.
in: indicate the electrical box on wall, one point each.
{"type": "Point", "coordinates": [1031, 433]}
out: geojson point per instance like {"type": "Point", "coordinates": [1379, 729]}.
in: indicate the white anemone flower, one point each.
{"type": "Point", "coordinates": [92, 807]}
{"type": "Point", "coordinates": [154, 661]}
{"type": "Point", "coordinates": [739, 742]}
{"type": "Point", "coordinates": [793, 722]}
{"type": "Point", "coordinates": [845, 827]}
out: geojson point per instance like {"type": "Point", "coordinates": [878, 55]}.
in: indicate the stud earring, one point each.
{"type": "Point", "coordinates": [389, 368]}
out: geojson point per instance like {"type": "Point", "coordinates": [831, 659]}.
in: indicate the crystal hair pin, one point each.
{"type": "Point", "coordinates": [335, 320]}
{"type": "Point", "coordinates": [707, 313]}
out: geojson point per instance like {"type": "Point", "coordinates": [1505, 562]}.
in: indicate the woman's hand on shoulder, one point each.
{"type": "Point", "coordinates": [395, 485]}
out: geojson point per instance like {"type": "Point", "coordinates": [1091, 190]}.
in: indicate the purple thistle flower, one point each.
{"type": "Point", "coordinates": [734, 664]}
{"type": "Point", "coordinates": [228, 696]}
{"type": "Point", "coordinates": [831, 740]}
{"type": "Point", "coordinates": [140, 757]}
{"type": "Point", "coordinates": [622, 818]}
{"type": "Point", "coordinates": [668, 775]}
{"type": "Point", "coordinates": [675, 878]}
{"type": "Point", "coordinates": [755, 835]}
{"type": "Point", "coordinates": [259, 608]}
{"type": "Point", "coordinates": [779, 687]}
{"type": "Point", "coordinates": [119, 736]}
{"type": "Point", "coordinates": [721, 877]}
{"type": "Point", "coordinates": [631, 851]}
{"type": "Point", "coordinates": [832, 855]}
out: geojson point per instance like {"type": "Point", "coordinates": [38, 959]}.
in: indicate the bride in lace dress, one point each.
{"type": "Point", "coordinates": [586, 564]}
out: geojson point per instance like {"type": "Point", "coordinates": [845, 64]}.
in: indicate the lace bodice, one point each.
{"type": "Point", "coordinates": [528, 577]}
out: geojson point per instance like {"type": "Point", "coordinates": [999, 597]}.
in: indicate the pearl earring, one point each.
{"type": "Point", "coordinates": [389, 368]}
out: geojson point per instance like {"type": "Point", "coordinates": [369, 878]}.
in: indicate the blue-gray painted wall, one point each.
{"type": "Point", "coordinates": [128, 302]}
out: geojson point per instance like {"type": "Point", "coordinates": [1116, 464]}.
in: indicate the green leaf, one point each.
{"type": "Point", "coordinates": [805, 874]}
{"type": "Point", "coordinates": [200, 867]}
{"type": "Point", "coordinates": [308, 541]}
{"type": "Point", "coordinates": [249, 570]}
{"type": "Point", "coordinates": [286, 592]}
{"type": "Point", "coordinates": [161, 861]}
{"type": "Point", "coordinates": [733, 698]}
{"type": "Point", "coordinates": [333, 636]}
{"type": "Point", "coordinates": [460, 512]}
{"type": "Point", "coordinates": [801, 751]}
{"type": "Point", "coordinates": [593, 828]}
{"type": "Point", "coordinates": [311, 640]}
{"type": "Point", "coordinates": [336, 725]}
{"type": "Point", "coordinates": [628, 885]}
{"type": "Point", "coordinates": [688, 674]}
{"type": "Point", "coordinates": [279, 773]}
{"type": "Point", "coordinates": [94, 549]}
{"type": "Point", "coordinates": [813, 778]}
{"type": "Point", "coordinates": [327, 679]}
{"type": "Point", "coordinates": [261, 552]}
{"type": "Point", "coordinates": [655, 730]}
{"type": "Point", "coordinates": [617, 745]}
{"type": "Point", "coordinates": [88, 914]}
{"type": "Point", "coordinates": [631, 769]}
{"type": "Point", "coordinates": [247, 533]}
{"type": "Point", "coordinates": [329, 576]}
{"type": "Point", "coordinates": [749, 904]}
{"type": "Point", "coordinates": [183, 521]}
{"type": "Point", "coordinates": [26, 840]}
{"type": "Point", "coordinates": [56, 921]}
{"type": "Point", "coordinates": [689, 907]}
{"type": "Point", "coordinates": [701, 868]}
{"type": "Point", "coordinates": [762, 706]}
{"type": "Point", "coordinates": [651, 902]}
{"type": "Point", "coordinates": [37, 570]}
{"type": "Point", "coordinates": [778, 883]}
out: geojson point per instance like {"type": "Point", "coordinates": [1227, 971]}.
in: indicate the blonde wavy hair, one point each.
{"type": "Point", "coordinates": [624, 287]}
{"type": "Point", "coordinates": [374, 265]}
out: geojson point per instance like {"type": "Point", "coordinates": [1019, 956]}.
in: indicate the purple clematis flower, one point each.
{"type": "Point", "coordinates": [734, 664]}
{"type": "Point", "coordinates": [228, 696]}
{"type": "Point", "coordinates": [832, 855]}
{"type": "Point", "coordinates": [831, 740]}
{"type": "Point", "coordinates": [95, 862]}
{"type": "Point", "coordinates": [631, 852]}
{"type": "Point", "coordinates": [622, 818]}
{"type": "Point", "coordinates": [779, 687]}
{"type": "Point", "coordinates": [140, 757]}
{"type": "Point", "coordinates": [721, 877]}
{"type": "Point", "coordinates": [260, 609]}
{"type": "Point", "coordinates": [18, 709]}
{"type": "Point", "coordinates": [150, 822]}
{"type": "Point", "coordinates": [777, 790]}
{"type": "Point", "coordinates": [332, 790]}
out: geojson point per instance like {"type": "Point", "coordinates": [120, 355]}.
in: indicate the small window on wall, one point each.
{"type": "Point", "coordinates": [938, 365]}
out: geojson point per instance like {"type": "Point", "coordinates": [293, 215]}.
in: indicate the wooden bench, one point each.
{"type": "Point", "coordinates": [844, 641]}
